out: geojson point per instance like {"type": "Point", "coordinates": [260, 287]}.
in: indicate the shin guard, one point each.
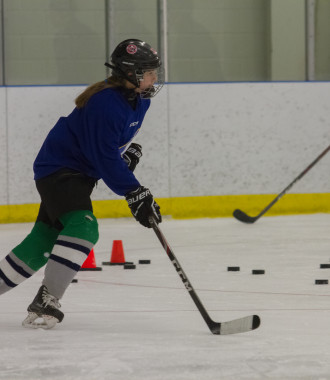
{"type": "Point", "coordinates": [73, 245]}
{"type": "Point", "coordinates": [27, 257]}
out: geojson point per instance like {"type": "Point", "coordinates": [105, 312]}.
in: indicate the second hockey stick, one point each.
{"type": "Point", "coordinates": [243, 217]}
{"type": "Point", "coordinates": [235, 326]}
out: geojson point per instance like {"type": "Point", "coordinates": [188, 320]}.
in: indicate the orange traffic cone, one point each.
{"type": "Point", "coordinates": [117, 254]}
{"type": "Point", "coordinates": [89, 263]}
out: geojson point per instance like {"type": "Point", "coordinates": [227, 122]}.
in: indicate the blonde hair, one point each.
{"type": "Point", "coordinates": [110, 82]}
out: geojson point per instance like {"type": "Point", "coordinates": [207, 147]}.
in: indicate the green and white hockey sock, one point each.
{"type": "Point", "coordinates": [28, 257]}
{"type": "Point", "coordinates": [73, 245]}
{"type": "Point", "coordinates": [13, 271]}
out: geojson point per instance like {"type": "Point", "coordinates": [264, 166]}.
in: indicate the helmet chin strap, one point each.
{"type": "Point", "coordinates": [116, 69]}
{"type": "Point", "coordinates": [146, 93]}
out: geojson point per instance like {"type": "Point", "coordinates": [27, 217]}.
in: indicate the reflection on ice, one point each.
{"type": "Point", "coordinates": [142, 324]}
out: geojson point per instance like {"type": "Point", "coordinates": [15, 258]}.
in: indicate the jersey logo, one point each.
{"type": "Point", "coordinates": [134, 124]}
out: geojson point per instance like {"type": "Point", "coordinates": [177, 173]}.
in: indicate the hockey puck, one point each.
{"type": "Point", "coordinates": [233, 269]}
{"type": "Point", "coordinates": [258, 271]}
{"type": "Point", "coordinates": [144, 261]}
{"type": "Point", "coordinates": [322, 266]}
{"type": "Point", "coordinates": [321, 282]}
{"type": "Point", "coordinates": [110, 263]}
{"type": "Point", "coordinates": [74, 280]}
{"type": "Point", "coordinates": [129, 266]}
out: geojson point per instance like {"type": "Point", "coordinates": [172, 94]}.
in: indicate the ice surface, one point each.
{"type": "Point", "coordinates": [142, 324]}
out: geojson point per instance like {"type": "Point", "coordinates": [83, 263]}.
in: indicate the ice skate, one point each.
{"type": "Point", "coordinates": [43, 311]}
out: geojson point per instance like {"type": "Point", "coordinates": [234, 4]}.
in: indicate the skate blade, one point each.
{"type": "Point", "coordinates": [33, 321]}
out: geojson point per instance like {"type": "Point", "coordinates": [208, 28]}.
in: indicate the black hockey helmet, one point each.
{"type": "Point", "coordinates": [131, 59]}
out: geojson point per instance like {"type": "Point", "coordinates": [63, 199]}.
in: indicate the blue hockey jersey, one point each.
{"type": "Point", "coordinates": [92, 140]}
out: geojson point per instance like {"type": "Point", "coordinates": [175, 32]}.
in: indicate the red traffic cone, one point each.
{"type": "Point", "coordinates": [89, 263]}
{"type": "Point", "coordinates": [117, 254]}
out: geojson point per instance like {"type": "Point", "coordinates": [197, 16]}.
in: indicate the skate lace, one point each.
{"type": "Point", "coordinates": [50, 300]}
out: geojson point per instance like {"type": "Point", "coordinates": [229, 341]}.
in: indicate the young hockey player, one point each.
{"type": "Point", "coordinates": [92, 143]}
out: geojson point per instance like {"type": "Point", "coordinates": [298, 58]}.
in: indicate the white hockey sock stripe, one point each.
{"type": "Point", "coordinates": [6, 280]}
{"type": "Point", "coordinates": [71, 252]}
{"type": "Point", "coordinates": [11, 273]}
{"type": "Point", "coordinates": [74, 240]}
{"type": "Point", "coordinates": [21, 264]}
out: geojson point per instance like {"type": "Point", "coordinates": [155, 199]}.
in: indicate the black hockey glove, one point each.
{"type": "Point", "coordinates": [143, 206]}
{"type": "Point", "coordinates": [132, 156]}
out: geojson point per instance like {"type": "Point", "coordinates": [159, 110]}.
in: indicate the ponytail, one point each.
{"type": "Point", "coordinates": [110, 82]}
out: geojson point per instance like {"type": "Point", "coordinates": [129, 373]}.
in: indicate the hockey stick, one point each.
{"type": "Point", "coordinates": [235, 326]}
{"type": "Point", "coordinates": [243, 217]}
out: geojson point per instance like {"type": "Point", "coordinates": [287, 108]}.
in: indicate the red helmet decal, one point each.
{"type": "Point", "coordinates": [131, 49]}
{"type": "Point", "coordinates": [154, 51]}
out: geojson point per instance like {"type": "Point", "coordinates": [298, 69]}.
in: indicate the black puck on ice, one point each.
{"type": "Point", "coordinates": [74, 280]}
{"type": "Point", "coordinates": [129, 266]}
{"type": "Point", "coordinates": [110, 263]}
{"type": "Point", "coordinates": [144, 261]}
{"type": "Point", "coordinates": [321, 282]}
{"type": "Point", "coordinates": [233, 269]}
{"type": "Point", "coordinates": [322, 266]}
{"type": "Point", "coordinates": [258, 271]}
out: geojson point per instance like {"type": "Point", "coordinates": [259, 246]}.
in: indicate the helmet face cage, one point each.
{"type": "Point", "coordinates": [157, 86]}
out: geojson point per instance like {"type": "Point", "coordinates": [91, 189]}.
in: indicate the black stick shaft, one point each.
{"type": "Point", "coordinates": [249, 219]}
{"type": "Point", "coordinates": [317, 159]}
{"type": "Point", "coordinates": [211, 324]}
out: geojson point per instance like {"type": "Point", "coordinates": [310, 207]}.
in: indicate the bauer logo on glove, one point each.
{"type": "Point", "coordinates": [143, 206]}
{"type": "Point", "coordinates": [139, 196]}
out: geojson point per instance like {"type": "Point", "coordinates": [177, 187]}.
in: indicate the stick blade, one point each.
{"type": "Point", "coordinates": [242, 217]}
{"type": "Point", "coordinates": [241, 325]}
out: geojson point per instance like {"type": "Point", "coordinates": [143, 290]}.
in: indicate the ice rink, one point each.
{"type": "Point", "coordinates": [142, 324]}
